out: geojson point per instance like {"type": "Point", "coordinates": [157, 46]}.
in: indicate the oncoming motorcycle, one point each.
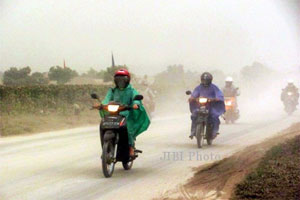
{"type": "Point", "coordinates": [231, 114]}
{"type": "Point", "coordinates": [290, 103]}
{"type": "Point", "coordinates": [204, 126]}
{"type": "Point", "coordinates": [114, 137]}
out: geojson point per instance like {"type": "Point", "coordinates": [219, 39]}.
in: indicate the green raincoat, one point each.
{"type": "Point", "coordinates": [137, 120]}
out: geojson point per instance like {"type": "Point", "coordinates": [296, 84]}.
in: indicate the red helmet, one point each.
{"type": "Point", "coordinates": [122, 72]}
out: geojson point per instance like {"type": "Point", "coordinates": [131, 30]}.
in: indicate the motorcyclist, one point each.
{"type": "Point", "coordinates": [230, 90]}
{"type": "Point", "coordinates": [216, 108]}
{"type": "Point", "coordinates": [137, 119]}
{"type": "Point", "coordinates": [292, 89]}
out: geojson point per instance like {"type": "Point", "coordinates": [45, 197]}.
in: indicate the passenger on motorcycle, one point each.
{"type": "Point", "coordinates": [137, 118]}
{"type": "Point", "coordinates": [216, 108]}
{"type": "Point", "coordinates": [290, 89]}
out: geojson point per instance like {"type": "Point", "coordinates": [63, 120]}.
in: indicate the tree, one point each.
{"type": "Point", "coordinates": [39, 78]}
{"type": "Point", "coordinates": [172, 78]}
{"type": "Point", "coordinates": [92, 73]}
{"type": "Point", "coordinates": [61, 75]}
{"type": "Point", "coordinates": [15, 76]}
{"type": "Point", "coordinates": [1, 77]}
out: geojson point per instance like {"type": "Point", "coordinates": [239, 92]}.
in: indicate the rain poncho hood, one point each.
{"type": "Point", "coordinates": [137, 120]}
{"type": "Point", "coordinates": [212, 91]}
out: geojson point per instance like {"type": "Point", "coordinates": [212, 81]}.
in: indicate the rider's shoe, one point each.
{"type": "Point", "coordinates": [191, 137]}
{"type": "Point", "coordinates": [216, 135]}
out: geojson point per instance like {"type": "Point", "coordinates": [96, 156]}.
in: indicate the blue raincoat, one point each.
{"type": "Point", "coordinates": [215, 108]}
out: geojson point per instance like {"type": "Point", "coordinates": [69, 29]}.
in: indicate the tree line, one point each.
{"type": "Point", "coordinates": [60, 75]}
{"type": "Point", "coordinates": [172, 76]}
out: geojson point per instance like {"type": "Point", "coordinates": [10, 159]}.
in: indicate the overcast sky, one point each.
{"type": "Point", "coordinates": [148, 35]}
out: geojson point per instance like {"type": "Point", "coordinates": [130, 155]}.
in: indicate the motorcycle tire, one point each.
{"type": "Point", "coordinates": [127, 165]}
{"type": "Point", "coordinates": [108, 164]}
{"type": "Point", "coordinates": [209, 138]}
{"type": "Point", "coordinates": [199, 135]}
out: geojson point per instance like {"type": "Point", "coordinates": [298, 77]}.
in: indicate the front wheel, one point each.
{"type": "Point", "coordinates": [200, 135]}
{"type": "Point", "coordinates": [108, 164]}
{"type": "Point", "coordinates": [127, 165]}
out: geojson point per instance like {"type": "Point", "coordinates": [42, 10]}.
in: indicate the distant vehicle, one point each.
{"type": "Point", "coordinates": [232, 113]}
{"type": "Point", "coordinates": [290, 103]}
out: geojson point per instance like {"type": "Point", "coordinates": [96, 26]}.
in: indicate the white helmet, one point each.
{"type": "Point", "coordinates": [229, 79]}
{"type": "Point", "coordinates": [290, 81]}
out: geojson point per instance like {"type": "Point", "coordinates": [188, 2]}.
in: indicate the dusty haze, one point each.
{"type": "Point", "coordinates": [149, 35]}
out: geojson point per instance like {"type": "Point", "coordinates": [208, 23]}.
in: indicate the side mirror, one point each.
{"type": "Point", "coordinates": [188, 92]}
{"type": "Point", "coordinates": [94, 96]}
{"type": "Point", "coordinates": [138, 97]}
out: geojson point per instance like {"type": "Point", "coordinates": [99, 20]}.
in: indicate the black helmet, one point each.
{"type": "Point", "coordinates": [206, 79]}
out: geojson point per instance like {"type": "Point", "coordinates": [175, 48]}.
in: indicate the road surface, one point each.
{"type": "Point", "coordinates": [66, 164]}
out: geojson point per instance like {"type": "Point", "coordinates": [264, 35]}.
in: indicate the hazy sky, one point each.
{"type": "Point", "coordinates": [148, 35]}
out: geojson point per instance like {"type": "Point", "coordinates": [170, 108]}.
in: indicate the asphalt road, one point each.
{"type": "Point", "coordinates": [66, 164]}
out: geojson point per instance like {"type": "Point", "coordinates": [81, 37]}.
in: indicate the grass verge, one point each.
{"type": "Point", "coordinates": [35, 123]}
{"type": "Point", "coordinates": [276, 177]}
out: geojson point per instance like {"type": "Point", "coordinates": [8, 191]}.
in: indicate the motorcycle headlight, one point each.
{"type": "Point", "coordinates": [228, 103]}
{"type": "Point", "coordinates": [113, 108]}
{"type": "Point", "coordinates": [290, 93]}
{"type": "Point", "coordinates": [203, 100]}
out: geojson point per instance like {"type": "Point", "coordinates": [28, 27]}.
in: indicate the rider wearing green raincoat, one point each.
{"type": "Point", "coordinates": [137, 118]}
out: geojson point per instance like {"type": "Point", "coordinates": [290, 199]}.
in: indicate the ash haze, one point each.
{"type": "Point", "coordinates": [149, 35]}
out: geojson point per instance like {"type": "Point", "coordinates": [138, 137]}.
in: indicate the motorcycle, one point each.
{"type": "Point", "coordinates": [204, 127]}
{"type": "Point", "coordinates": [114, 137]}
{"type": "Point", "coordinates": [231, 114]}
{"type": "Point", "coordinates": [290, 103]}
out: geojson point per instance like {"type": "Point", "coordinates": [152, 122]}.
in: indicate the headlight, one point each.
{"type": "Point", "coordinates": [113, 108]}
{"type": "Point", "coordinates": [202, 100]}
{"type": "Point", "coordinates": [228, 103]}
{"type": "Point", "coordinates": [290, 93]}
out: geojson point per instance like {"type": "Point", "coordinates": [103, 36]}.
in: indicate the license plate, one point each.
{"type": "Point", "coordinates": [111, 123]}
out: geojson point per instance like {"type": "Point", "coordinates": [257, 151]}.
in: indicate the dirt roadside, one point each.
{"type": "Point", "coordinates": [218, 180]}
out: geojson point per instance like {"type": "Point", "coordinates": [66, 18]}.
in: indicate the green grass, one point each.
{"type": "Point", "coordinates": [277, 175]}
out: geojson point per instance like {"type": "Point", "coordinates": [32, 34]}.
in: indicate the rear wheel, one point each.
{"type": "Point", "coordinates": [108, 164]}
{"type": "Point", "coordinates": [127, 165]}
{"type": "Point", "coordinates": [199, 135]}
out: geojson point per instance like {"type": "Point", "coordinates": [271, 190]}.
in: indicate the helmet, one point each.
{"type": "Point", "coordinates": [290, 81]}
{"type": "Point", "coordinates": [122, 78]}
{"type": "Point", "coordinates": [122, 72]}
{"type": "Point", "coordinates": [229, 79]}
{"type": "Point", "coordinates": [206, 79]}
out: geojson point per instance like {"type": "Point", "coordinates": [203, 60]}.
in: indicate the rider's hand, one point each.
{"type": "Point", "coordinates": [191, 99]}
{"type": "Point", "coordinates": [135, 106]}
{"type": "Point", "coordinates": [96, 105]}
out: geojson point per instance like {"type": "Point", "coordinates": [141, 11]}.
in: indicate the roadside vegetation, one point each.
{"type": "Point", "coordinates": [268, 170]}
{"type": "Point", "coordinates": [277, 175]}
{"type": "Point", "coordinates": [30, 109]}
